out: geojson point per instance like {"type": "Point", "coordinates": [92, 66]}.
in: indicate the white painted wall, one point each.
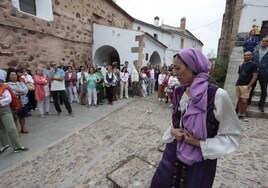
{"type": "Point", "coordinates": [172, 41]}
{"type": "Point", "coordinates": [253, 13]}
{"type": "Point", "coordinates": [122, 41]}
{"type": "Point", "coordinates": [151, 48]}
{"type": "Point", "coordinates": [149, 30]}
{"type": "Point", "coordinates": [44, 9]}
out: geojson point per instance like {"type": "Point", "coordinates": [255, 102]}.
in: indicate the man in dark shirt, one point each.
{"type": "Point", "coordinates": [248, 74]}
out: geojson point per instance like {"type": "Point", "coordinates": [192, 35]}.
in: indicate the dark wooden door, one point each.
{"type": "Point", "coordinates": [264, 29]}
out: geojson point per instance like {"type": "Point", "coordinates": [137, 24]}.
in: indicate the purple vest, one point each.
{"type": "Point", "coordinates": [212, 123]}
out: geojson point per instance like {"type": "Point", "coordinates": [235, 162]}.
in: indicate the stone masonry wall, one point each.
{"type": "Point", "coordinates": [24, 37]}
{"type": "Point", "coordinates": [229, 32]}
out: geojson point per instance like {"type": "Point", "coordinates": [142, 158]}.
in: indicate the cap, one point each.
{"type": "Point", "coordinates": [3, 75]}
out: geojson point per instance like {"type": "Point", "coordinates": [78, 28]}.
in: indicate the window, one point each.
{"type": "Point", "coordinates": [138, 28]}
{"type": "Point", "coordinates": [39, 8]}
{"type": "Point", "coordinates": [146, 56]}
{"type": "Point", "coordinates": [155, 35]}
{"type": "Point", "coordinates": [182, 43]}
{"type": "Point", "coordinates": [28, 6]}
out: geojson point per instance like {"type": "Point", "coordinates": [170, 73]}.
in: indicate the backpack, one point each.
{"type": "Point", "coordinates": [15, 103]}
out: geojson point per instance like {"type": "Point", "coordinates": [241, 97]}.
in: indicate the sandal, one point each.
{"type": "Point", "coordinates": [24, 132]}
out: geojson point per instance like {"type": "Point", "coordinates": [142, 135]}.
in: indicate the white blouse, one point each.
{"type": "Point", "coordinates": [6, 98]}
{"type": "Point", "coordinates": [229, 134]}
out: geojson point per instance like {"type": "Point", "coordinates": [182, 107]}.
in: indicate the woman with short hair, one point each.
{"type": "Point", "coordinates": [21, 90]}
{"type": "Point", "coordinates": [8, 131]}
{"type": "Point", "coordinates": [42, 92]}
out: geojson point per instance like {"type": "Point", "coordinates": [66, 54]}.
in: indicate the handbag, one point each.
{"type": "Point", "coordinates": [169, 90]}
{"type": "Point", "coordinates": [30, 86]}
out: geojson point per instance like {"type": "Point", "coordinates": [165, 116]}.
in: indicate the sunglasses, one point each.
{"type": "Point", "coordinates": [53, 65]}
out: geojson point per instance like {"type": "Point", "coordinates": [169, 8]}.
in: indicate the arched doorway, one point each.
{"type": "Point", "coordinates": [155, 59]}
{"type": "Point", "coordinates": [106, 53]}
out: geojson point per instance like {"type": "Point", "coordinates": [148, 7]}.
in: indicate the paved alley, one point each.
{"type": "Point", "coordinates": [118, 146]}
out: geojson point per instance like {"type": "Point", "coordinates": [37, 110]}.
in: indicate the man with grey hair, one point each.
{"type": "Point", "coordinates": [260, 57]}
{"type": "Point", "coordinates": [58, 89]}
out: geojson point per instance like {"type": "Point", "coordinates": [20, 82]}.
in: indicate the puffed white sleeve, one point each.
{"type": "Point", "coordinates": [229, 135]}
{"type": "Point", "coordinates": [6, 98]}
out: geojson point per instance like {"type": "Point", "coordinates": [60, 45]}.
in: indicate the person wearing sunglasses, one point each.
{"type": "Point", "coordinates": [57, 79]}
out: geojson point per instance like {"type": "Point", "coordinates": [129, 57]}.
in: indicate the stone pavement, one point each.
{"type": "Point", "coordinates": [120, 149]}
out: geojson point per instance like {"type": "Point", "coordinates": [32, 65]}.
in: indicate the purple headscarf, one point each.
{"type": "Point", "coordinates": [195, 118]}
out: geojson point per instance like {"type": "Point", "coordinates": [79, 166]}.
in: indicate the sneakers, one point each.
{"type": "Point", "coordinates": [243, 117]}
{"type": "Point", "coordinates": [49, 113]}
{"type": "Point", "coordinates": [17, 150]}
{"type": "Point", "coordinates": [42, 116]}
{"type": "Point", "coordinates": [5, 148]}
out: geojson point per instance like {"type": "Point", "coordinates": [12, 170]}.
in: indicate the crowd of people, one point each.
{"type": "Point", "coordinates": [253, 69]}
{"type": "Point", "coordinates": [90, 86]}
{"type": "Point", "coordinates": [198, 134]}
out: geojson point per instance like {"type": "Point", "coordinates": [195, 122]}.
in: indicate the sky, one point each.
{"type": "Point", "coordinates": [203, 17]}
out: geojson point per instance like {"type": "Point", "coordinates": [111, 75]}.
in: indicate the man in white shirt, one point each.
{"type": "Point", "coordinates": [58, 89]}
{"type": "Point", "coordinates": [103, 69]}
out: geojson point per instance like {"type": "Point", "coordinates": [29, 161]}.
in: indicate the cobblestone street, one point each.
{"type": "Point", "coordinates": [121, 149]}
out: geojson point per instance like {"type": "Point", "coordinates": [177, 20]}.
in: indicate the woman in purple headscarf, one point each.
{"type": "Point", "coordinates": [204, 127]}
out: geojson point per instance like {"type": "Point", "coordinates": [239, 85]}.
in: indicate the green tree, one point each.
{"type": "Point", "coordinates": [218, 73]}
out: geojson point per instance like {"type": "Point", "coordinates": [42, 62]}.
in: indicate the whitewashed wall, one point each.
{"type": "Point", "coordinates": [122, 41]}
{"type": "Point", "coordinates": [253, 12]}
{"type": "Point", "coordinates": [172, 41]}
{"type": "Point", "coordinates": [149, 30]}
{"type": "Point", "coordinates": [150, 49]}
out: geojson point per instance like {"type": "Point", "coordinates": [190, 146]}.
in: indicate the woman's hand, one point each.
{"type": "Point", "coordinates": [189, 139]}
{"type": "Point", "coordinates": [20, 92]}
{"type": "Point", "coordinates": [177, 133]}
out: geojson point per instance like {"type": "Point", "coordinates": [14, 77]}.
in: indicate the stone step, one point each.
{"type": "Point", "coordinates": [253, 111]}
{"type": "Point", "coordinates": [255, 100]}
{"type": "Point", "coordinates": [257, 93]}
{"type": "Point", "coordinates": [133, 173]}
